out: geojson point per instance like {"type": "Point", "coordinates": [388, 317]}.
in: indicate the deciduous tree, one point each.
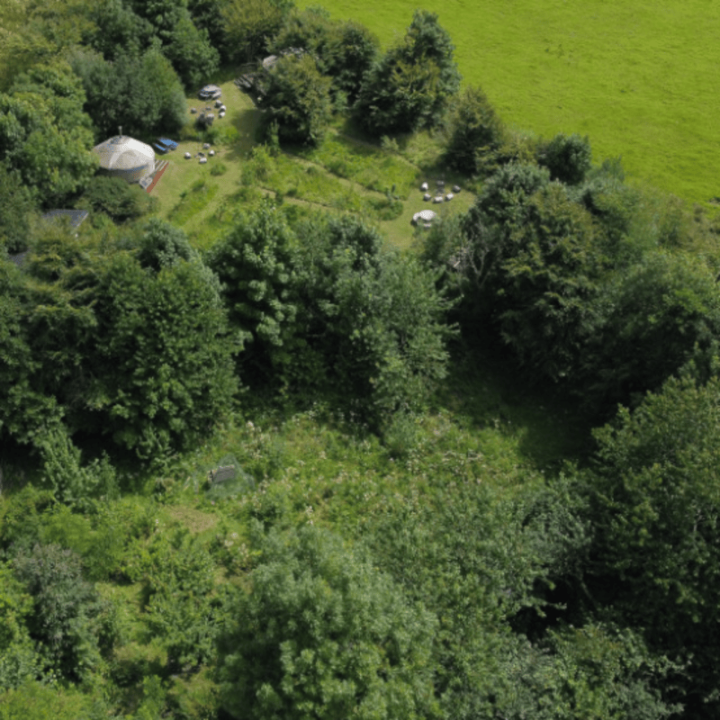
{"type": "Point", "coordinates": [324, 634]}
{"type": "Point", "coordinates": [297, 100]}
{"type": "Point", "coordinates": [45, 135]}
{"type": "Point", "coordinates": [568, 157]}
{"type": "Point", "coordinates": [345, 51]}
{"type": "Point", "coordinates": [476, 133]}
{"type": "Point", "coordinates": [251, 24]}
{"type": "Point", "coordinates": [162, 361]}
{"type": "Point", "coordinates": [141, 93]}
{"type": "Point", "coordinates": [254, 264]}
{"type": "Point", "coordinates": [411, 85]}
{"type": "Point", "coordinates": [651, 319]}
{"type": "Point", "coordinates": [656, 502]}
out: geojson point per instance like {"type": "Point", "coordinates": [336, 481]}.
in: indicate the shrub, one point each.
{"type": "Point", "coordinates": [324, 634]}
{"type": "Point", "coordinates": [220, 135]}
{"type": "Point", "coordinates": [568, 157]}
{"type": "Point", "coordinates": [22, 516]}
{"type": "Point", "coordinates": [476, 133]}
{"type": "Point", "coordinates": [34, 700]}
{"type": "Point", "coordinates": [116, 198]}
{"type": "Point", "coordinates": [71, 483]}
{"type": "Point", "coordinates": [68, 616]}
{"type": "Point", "coordinates": [411, 85]}
{"type": "Point", "coordinates": [161, 245]}
{"type": "Point", "coordinates": [297, 100]}
{"type": "Point", "coordinates": [182, 606]}
{"type": "Point", "coordinates": [18, 660]}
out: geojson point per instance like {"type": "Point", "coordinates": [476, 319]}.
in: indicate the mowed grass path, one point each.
{"type": "Point", "coordinates": [639, 77]}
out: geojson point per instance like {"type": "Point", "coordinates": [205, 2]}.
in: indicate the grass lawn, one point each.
{"type": "Point", "coordinates": [182, 174]}
{"type": "Point", "coordinates": [343, 174]}
{"type": "Point", "coordinates": [639, 77]}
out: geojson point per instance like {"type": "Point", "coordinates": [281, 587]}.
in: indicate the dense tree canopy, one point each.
{"type": "Point", "coordinates": [327, 302]}
{"type": "Point", "coordinates": [411, 85]}
{"type": "Point", "coordinates": [656, 497]}
{"type": "Point", "coordinates": [375, 527]}
{"type": "Point", "coordinates": [139, 352]}
{"type": "Point", "coordinates": [323, 634]}
{"type": "Point", "coordinates": [139, 92]}
{"type": "Point", "coordinates": [187, 48]}
{"type": "Point", "coordinates": [343, 50]}
{"type": "Point", "coordinates": [297, 100]}
{"type": "Point", "coordinates": [44, 134]}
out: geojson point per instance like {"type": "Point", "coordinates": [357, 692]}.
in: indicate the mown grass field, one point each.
{"type": "Point", "coordinates": [639, 77]}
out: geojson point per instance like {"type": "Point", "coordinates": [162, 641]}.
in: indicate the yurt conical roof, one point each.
{"type": "Point", "coordinates": [125, 157]}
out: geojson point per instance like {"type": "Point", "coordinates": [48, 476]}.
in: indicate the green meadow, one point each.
{"type": "Point", "coordinates": [639, 77]}
{"type": "Point", "coordinates": [342, 174]}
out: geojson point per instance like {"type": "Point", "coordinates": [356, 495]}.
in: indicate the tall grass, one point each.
{"type": "Point", "coordinates": [372, 167]}
{"type": "Point", "coordinates": [306, 181]}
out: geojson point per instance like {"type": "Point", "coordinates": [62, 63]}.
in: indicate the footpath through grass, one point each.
{"type": "Point", "coordinates": [639, 77]}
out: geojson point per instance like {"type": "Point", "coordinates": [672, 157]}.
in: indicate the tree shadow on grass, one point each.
{"type": "Point", "coordinates": [486, 390]}
{"type": "Point", "coordinates": [247, 123]}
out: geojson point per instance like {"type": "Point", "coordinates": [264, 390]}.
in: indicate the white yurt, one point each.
{"type": "Point", "coordinates": [125, 157]}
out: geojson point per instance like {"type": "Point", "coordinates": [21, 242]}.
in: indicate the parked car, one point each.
{"type": "Point", "coordinates": [166, 143]}
{"type": "Point", "coordinates": [210, 92]}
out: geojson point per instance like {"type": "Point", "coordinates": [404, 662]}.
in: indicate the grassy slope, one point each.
{"type": "Point", "coordinates": [639, 77]}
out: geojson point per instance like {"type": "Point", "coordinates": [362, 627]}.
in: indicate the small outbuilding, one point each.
{"type": "Point", "coordinates": [209, 92]}
{"type": "Point", "coordinates": [424, 216]}
{"type": "Point", "coordinates": [124, 157]}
